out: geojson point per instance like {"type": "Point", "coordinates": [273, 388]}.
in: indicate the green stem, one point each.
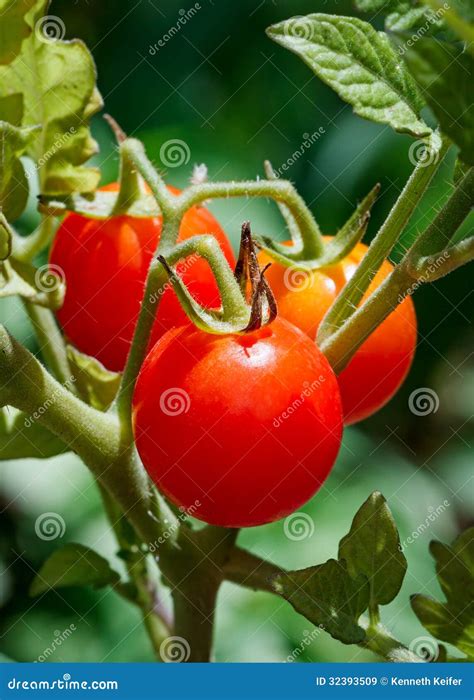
{"type": "Point", "coordinates": [381, 246]}
{"type": "Point", "coordinates": [145, 593]}
{"type": "Point", "coordinates": [51, 343]}
{"type": "Point", "coordinates": [131, 186]}
{"type": "Point", "coordinates": [246, 569]}
{"type": "Point", "coordinates": [403, 280]}
{"type": "Point", "coordinates": [25, 249]}
{"type": "Point", "coordinates": [93, 435]}
{"type": "Point", "coordinates": [156, 280]}
{"type": "Point", "coordinates": [380, 642]}
{"type": "Point", "coordinates": [281, 191]}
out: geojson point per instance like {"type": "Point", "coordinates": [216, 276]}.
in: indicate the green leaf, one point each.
{"type": "Point", "coordinates": [372, 548]}
{"type": "Point", "coordinates": [96, 384]}
{"type": "Point", "coordinates": [13, 27]}
{"type": "Point", "coordinates": [374, 5]}
{"type": "Point", "coordinates": [21, 436]}
{"type": "Point", "coordinates": [5, 238]}
{"type": "Point", "coordinates": [452, 621]}
{"type": "Point", "coordinates": [14, 188]}
{"type": "Point", "coordinates": [73, 565]}
{"type": "Point", "coordinates": [444, 73]}
{"type": "Point", "coordinates": [41, 286]}
{"type": "Point", "coordinates": [56, 80]}
{"type": "Point", "coordinates": [360, 64]}
{"type": "Point", "coordinates": [327, 596]}
{"type": "Point", "coordinates": [406, 17]}
{"type": "Point", "coordinates": [460, 170]}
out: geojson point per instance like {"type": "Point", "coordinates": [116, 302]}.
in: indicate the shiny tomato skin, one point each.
{"type": "Point", "coordinates": [381, 364]}
{"type": "Point", "coordinates": [239, 430]}
{"type": "Point", "coordinates": [105, 263]}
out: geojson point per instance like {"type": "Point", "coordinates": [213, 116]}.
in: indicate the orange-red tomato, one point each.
{"type": "Point", "coordinates": [381, 364]}
{"type": "Point", "coordinates": [105, 264]}
{"type": "Point", "coordinates": [239, 430]}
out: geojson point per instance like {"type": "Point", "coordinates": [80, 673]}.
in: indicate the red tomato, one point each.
{"type": "Point", "coordinates": [105, 264]}
{"type": "Point", "coordinates": [239, 430]}
{"type": "Point", "coordinates": [381, 364]}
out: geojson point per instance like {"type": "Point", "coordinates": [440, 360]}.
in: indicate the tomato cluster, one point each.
{"type": "Point", "coordinates": [105, 264]}
{"type": "Point", "coordinates": [239, 429]}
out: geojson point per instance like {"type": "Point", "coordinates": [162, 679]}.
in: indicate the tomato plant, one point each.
{"type": "Point", "coordinates": [105, 264]}
{"type": "Point", "coordinates": [380, 365]}
{"type": "Point", "coordinates": [197, 392]}
{"type": "Point", "coordinates": [234, 415]}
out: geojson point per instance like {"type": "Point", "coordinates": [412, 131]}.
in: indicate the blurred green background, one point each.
{"type": "Point", "coordinates": [235, 98]}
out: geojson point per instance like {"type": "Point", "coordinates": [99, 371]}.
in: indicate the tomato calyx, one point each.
{"type": "Point", "coordinates": [248, 274]}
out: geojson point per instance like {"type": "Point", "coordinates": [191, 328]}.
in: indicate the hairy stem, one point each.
{"type": "Point", "coordinates": [246, 569]}
{"type": "Point", "coordinates": [311, 243]}
{"type": "Point", "coordinates": [403, 280]}
{"type": "Point", "coordinates": [93, 435]}
{"type": "Point", "coordinates": [382, 244]}
{"type": "Point", "coordinates": [51, 342]}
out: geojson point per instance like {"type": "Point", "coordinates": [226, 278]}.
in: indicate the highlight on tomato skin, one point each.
{"type": "Point", "coordinates": [381, 364]}
{"type": "Point", "coordinates": [105, 264]}
{"type": "Point", "coordinates": [239, 429]}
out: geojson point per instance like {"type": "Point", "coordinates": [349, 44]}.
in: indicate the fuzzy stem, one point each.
{"type": "Point", "coordinates": [342, 345]}
{"type": "Point", "coordinates": [93, 435]}
{"type": "Point", "coordinates": [51, 342]}
{"type": "Point", "coordinates": [347, 301]}
{"type": "Point", "coordinates": [279, 190]}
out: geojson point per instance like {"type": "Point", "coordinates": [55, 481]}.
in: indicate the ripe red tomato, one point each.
{"type": "Point", "coordinates": [381, 364]}
{"type": "Point", "coordinates": [105, 263]}
{"type": "Point", "coordinates": [239, 430]}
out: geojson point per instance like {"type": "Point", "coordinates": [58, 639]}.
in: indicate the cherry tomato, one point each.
{"type": "Point", "coordinates": [239, 430]}
{"type": "Point", "coordinates": [381, 364]}
{"type": "Point", "coordinates": [105, 264]}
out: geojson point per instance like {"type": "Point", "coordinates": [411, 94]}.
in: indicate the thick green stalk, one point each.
{"type": "Point", "coordinates": [145, 593]}
{"type": "Point", "coordinates": [404, 279]}
{"type": "Point", "coordinates": [51, 343]}
{"type": "Point", "coordinates": [381, 246]}
{"type": "Point", "coordinates": [93, 435]}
